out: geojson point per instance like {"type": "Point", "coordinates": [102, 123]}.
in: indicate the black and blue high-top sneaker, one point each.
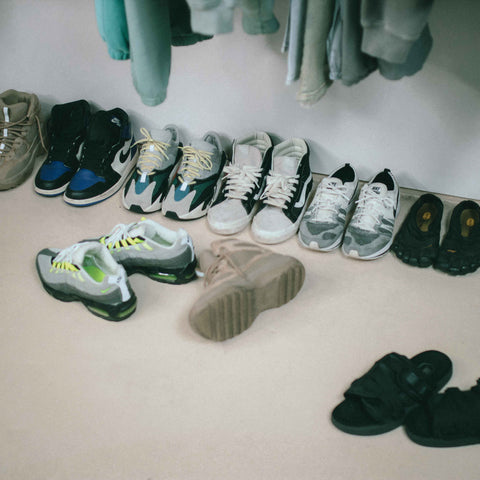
{"type": "Point", "coordinates": [108, 158]}
{"type": "Point", "coordinates": [67, 128]}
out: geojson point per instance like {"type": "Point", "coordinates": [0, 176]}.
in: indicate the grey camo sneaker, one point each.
{"type": "Point", "coordinates": [150, 249]}
{"type": "Point", "coordinates": [370, 232]}
{"type": "Point", "coordinates": [86, 272]}
{"type": "Point", "coordinates": [242, 280]}
{"type": "Point", "coordinates": [323, 224]}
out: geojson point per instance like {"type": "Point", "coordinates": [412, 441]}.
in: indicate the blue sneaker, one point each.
{"type": "Point", "coordinates": [108, 158]}
{"type": "Point", "coordinates": [67, 128]}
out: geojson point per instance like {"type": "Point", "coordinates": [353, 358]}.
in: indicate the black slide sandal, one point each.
{"type": "Point", "coordinates": [380, 400]}
{"type": "Point", "coordinates": [450, 419]}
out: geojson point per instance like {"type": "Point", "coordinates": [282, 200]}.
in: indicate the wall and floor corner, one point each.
{"type": "Point", "coordinates": [424, 128]}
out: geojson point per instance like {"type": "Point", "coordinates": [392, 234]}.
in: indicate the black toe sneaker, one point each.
{"type": "Point", "coordinates": [107, 159]}
{"type": "Point", "coordinates": [67, 128]}
{"type": "Point", "coordinates": [459, 253]}
{"type": "Point", "coordinates": [418, 239]}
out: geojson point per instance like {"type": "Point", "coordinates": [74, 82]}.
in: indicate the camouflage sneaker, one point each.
{"type": "Point", "coordinates": [20, 137]}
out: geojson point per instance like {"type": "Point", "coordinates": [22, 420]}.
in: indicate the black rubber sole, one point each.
{"type": "Point", "coordinates": [166, 275]}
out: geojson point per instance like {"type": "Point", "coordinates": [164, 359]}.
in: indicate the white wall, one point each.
{"type": "Point", "coordinates": [425, 128]}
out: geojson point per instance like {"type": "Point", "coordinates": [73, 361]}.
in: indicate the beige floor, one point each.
{"type": "Point", "coordinates": [83, 398]}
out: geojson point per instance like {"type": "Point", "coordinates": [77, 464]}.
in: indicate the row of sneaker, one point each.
{"type": "Point", "coordinates": [241, 279]}
{"type": "Point", "coordinates": [369, 233]}
{"type": "Point", "coordinates": [261, 182]}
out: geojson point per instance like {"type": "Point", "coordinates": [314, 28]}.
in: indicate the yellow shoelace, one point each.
{"type": "Point", "coordinates": [194, 162]}
{"type": "Point", "coordinates": [152, 152]}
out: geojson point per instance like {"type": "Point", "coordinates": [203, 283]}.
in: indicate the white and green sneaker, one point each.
{"type": "Point", "coordinates": [86, 272]}
{"type": "Point", "coordinates": [150, 249]}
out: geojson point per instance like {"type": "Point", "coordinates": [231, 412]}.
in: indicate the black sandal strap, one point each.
{"type": "Point", "coordinates": [456, 413]}
{"type": "Point", "coordinates": [389, 386]}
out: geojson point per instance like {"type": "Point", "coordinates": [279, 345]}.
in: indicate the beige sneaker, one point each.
{"type": "Point", "coordinates": [20, 136]}
{"type": "Point", "coordinates": [242, 280]}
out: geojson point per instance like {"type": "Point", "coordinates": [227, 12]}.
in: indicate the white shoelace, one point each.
{"type": "Point", "coordinates": [370, 206]}
{"type": "Point", "coordinates": [241, 181]}
{"type": "Point", "coordinates": [328, 199]}
{"type": "Point", "coordinates": [66, 255]}
{"type": "Point", "coordinates": [279, 189]}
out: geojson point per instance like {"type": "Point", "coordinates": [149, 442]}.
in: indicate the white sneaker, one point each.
{"type": "Point", "coordinates": [323, 224]}
{"type": "Point", "coordinates": [284, 199]}
{"type": "Point", "coordinates": [242, 184]}
{"type": "Point", "coordinates": [370, 232]}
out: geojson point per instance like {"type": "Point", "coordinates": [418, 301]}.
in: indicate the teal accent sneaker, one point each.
{"type": "Point", "coordinates": [86, 272]}
{"type": "Point", "coordinates": [150, 249]}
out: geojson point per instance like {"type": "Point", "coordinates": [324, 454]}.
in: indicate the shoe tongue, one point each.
{"type": "Point", "coordinates": [104, 128]}
{"type": "Point", "coordinates": [285, 165]}
{"type": "Point", "coordinates": [66, 121]}
{"type": "Point", "coordinates": [332, 181]}
{"type": "Point", "coordinates": [378, 188]}
{"type": "Point", "coordinates": [161, 135]}
{"type": "Point", "coordinates": [138, 230]}
{"type": "Point", "coordinates": [247, 155]}
{"type": "Point", "coordinates": [203, 145]}
{"type": "Point", "coordinates": [13, 113]}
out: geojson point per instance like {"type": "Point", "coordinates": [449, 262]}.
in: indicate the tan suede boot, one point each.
{"type": "Point", "coordinates": [20, 137]}
{"type": "Point", "coordinates": [242, 279]}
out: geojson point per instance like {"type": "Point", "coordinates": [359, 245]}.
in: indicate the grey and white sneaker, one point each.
{"type": "Point", "coordinates": [197, 179]}
{"type": "Point", "coordinates": [370, 232]}
{"type": "Point", "coordinates": [149, 183]}
{"type": "Point", "coordinates": [323, 224]}
{"type": "Point", "coordinates": [284, 199]}
{"type": "Point", "coordinates": [86, 272]}
{"type": "Point", "coordinates": [150, 249]}
{"type": "Point", "coordinates": [242, 184]}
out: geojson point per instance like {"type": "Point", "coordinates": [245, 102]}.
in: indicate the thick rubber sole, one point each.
{"type": "Point", "coordinates": [234, 310]}
{"type": "Point", "coordinates": [114, 313]}
{"type": "Point", "coordinates": [172, 276]}
{"type": "Point", "coordinates": [441, 443]}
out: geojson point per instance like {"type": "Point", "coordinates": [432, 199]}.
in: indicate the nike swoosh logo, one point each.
{"type": "Point", "coordinates": [301, 201]}
{"type": "Point", "coordinates": [121, 157]}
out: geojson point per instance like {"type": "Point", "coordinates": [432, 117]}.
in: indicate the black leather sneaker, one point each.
{"type": "Point", "coordinates": [67, 128]}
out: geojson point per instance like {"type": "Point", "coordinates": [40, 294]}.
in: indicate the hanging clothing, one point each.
{"type": "Point", "coordinates": [393, 31]}
{"type": "Point", "coordinates": [144, 32]}
{"type": "Point", "coordinates": [293, 39]}
{"type": "Point", "coordinates": [314, 78]}
{"type": "Point", "coordinates": [212, 17]}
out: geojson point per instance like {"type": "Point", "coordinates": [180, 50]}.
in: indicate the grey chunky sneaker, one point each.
{"type": "Point", "coordinates": [242, 280]}
{"type": "Point", "coordinates": [150, 249]}
{"type": "Point", "coordinates": [148, 185]}
{"type": "Point", "coordinates": [86, 272]}
{"type": "Point", "coordinates": [20, 137]}
{"type": "Point", "coordinates": [323, 224]}
{"type": "Point", "coordinates": [197, 179]}
{"type": "Point", "coordinates": [370, 232]}
{"type": "Point", "coordinates": [242, 185]}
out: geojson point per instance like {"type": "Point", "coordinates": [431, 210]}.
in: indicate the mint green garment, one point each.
{"type": "Point", "coordinates": [213, 17]}
{"type": "Point", "coordinates": [145, 31]}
